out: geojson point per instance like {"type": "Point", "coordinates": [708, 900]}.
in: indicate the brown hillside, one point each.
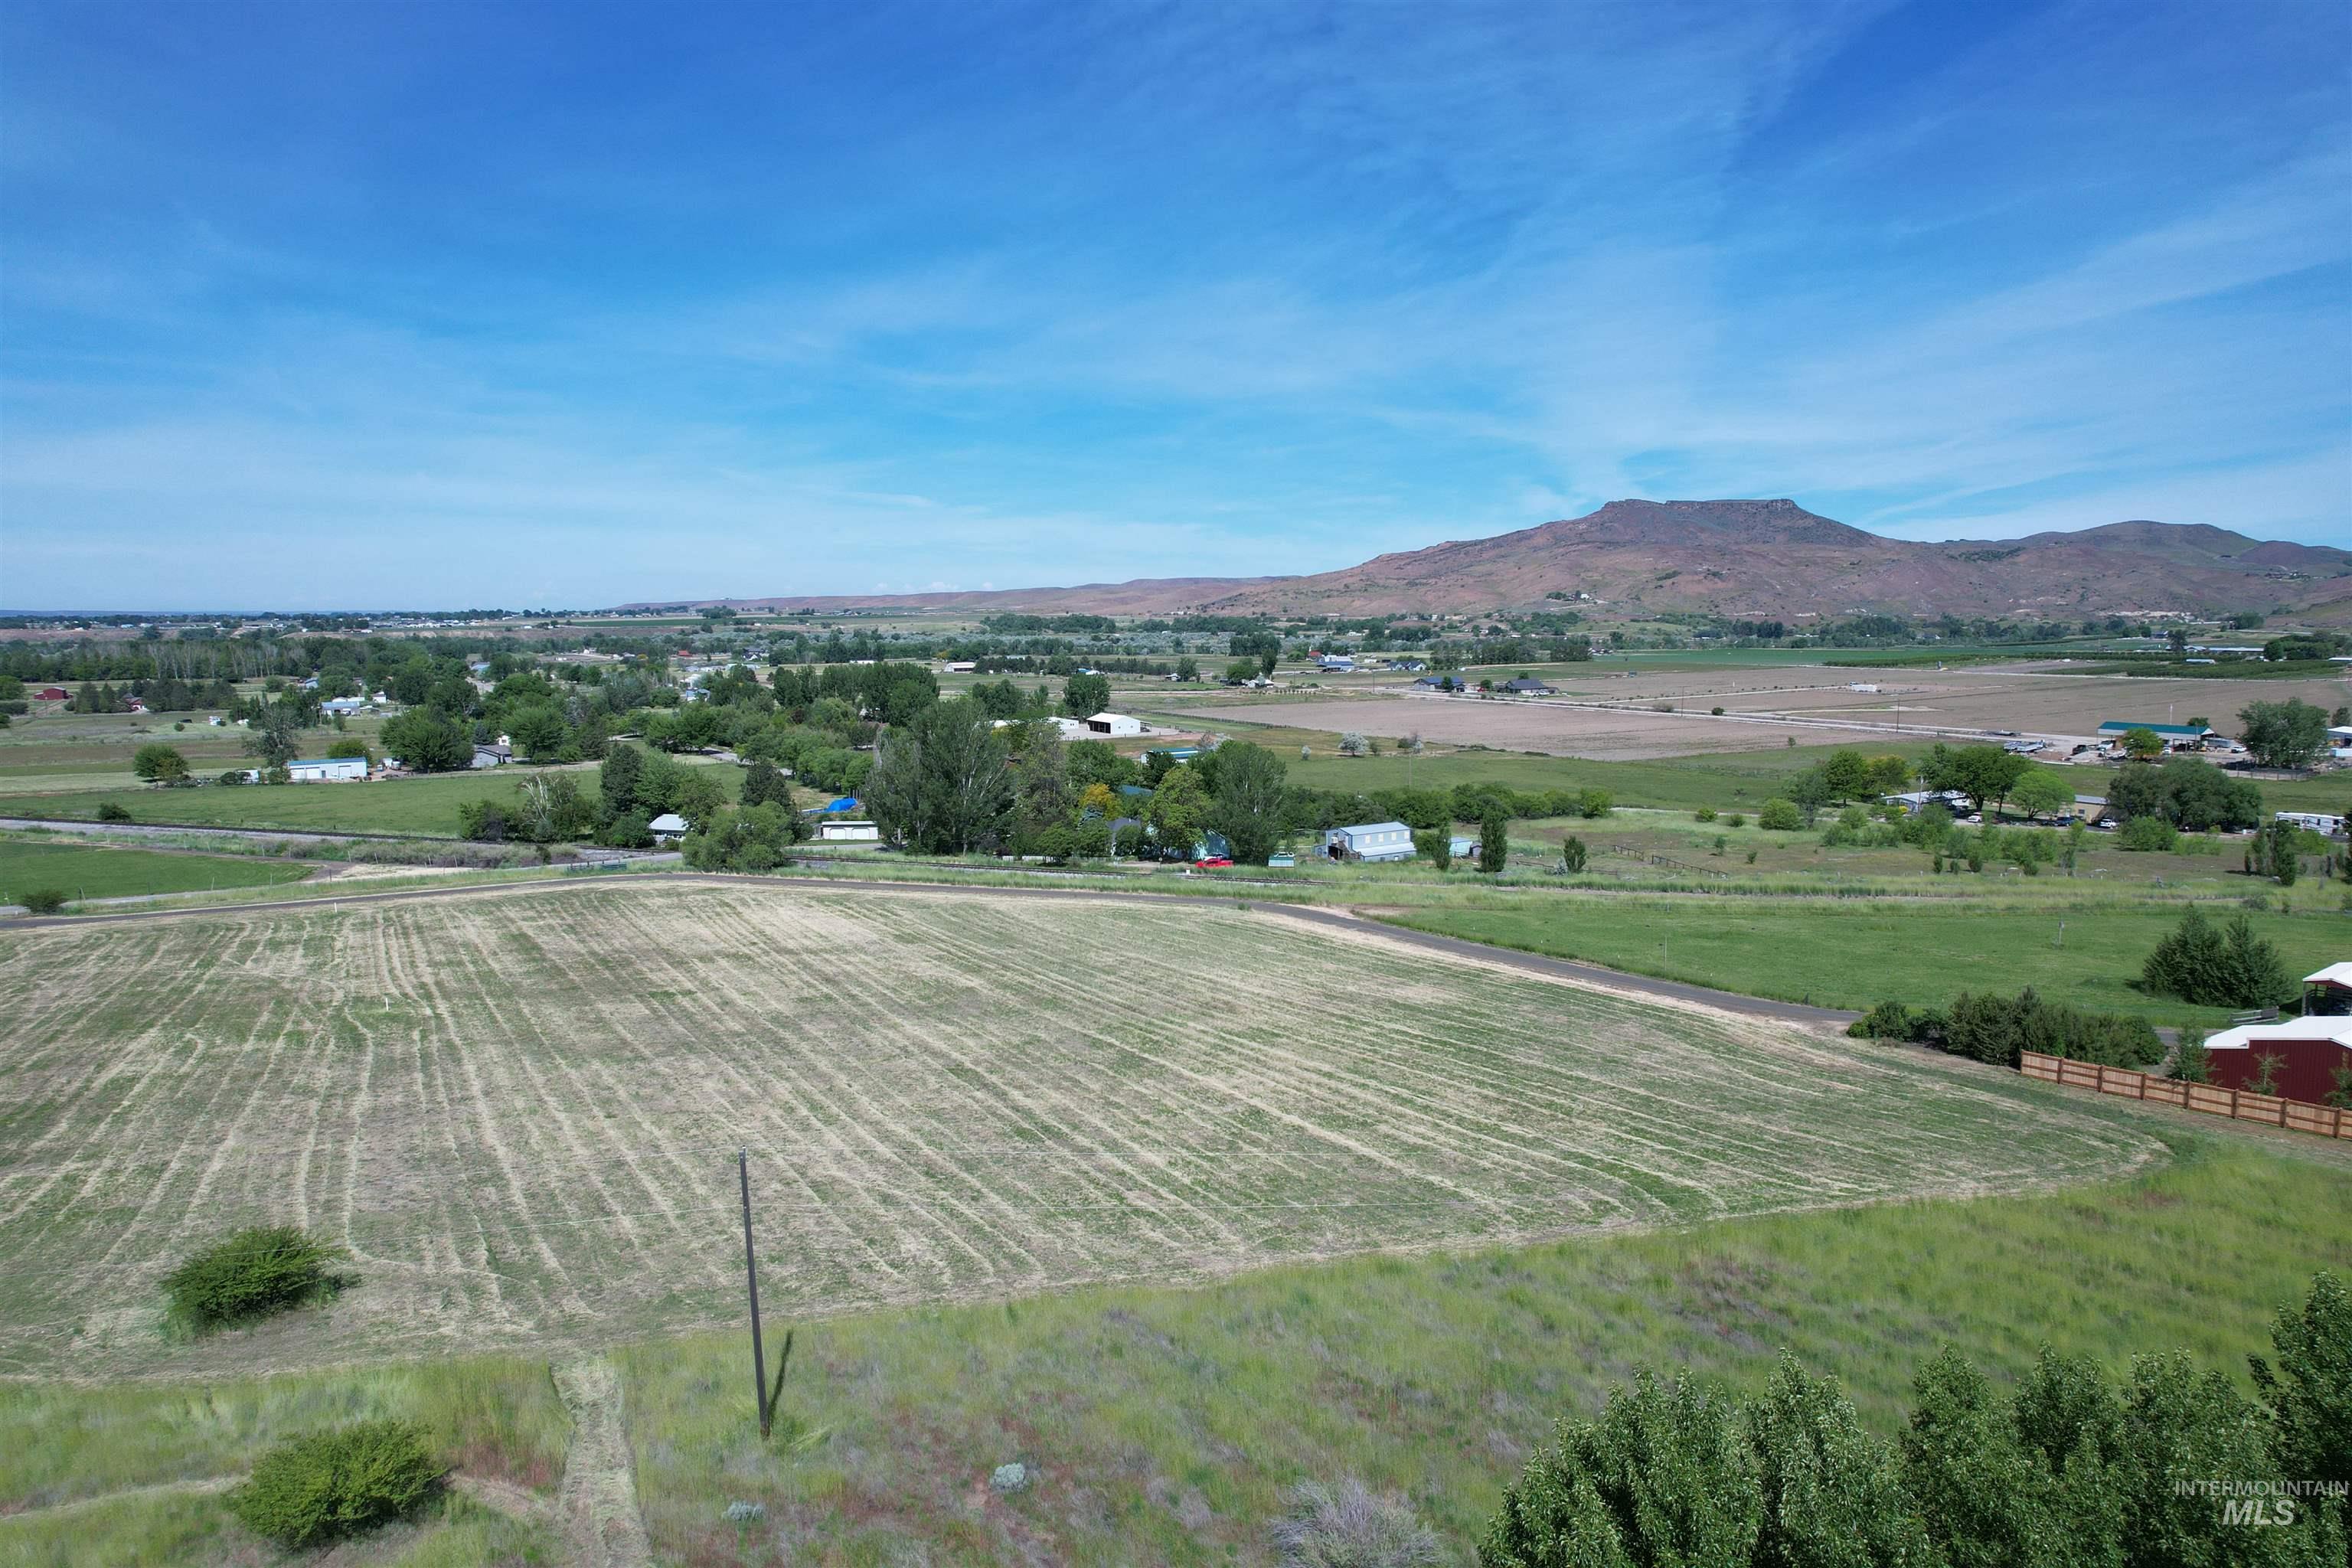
{"type": "Point", "coordinates": [1762, 558]}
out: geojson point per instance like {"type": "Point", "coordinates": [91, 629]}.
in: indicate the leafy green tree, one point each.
{"type": "Point", "coordinates": [1969, 1475]}
{"type": "Point", "coordinates": [538, 732]}
{"type": "Point", "coordinates": [2289, 734]}
{"type": "Point", "coordinates": [1179, 811]}
{"type": "Point", "coordinates": [943, 782]}
{"type": "Point", "coordinates": [1847, 776]}
{"type": "Point", "coordinates": [1086, 695]}
{"type": "Point", "coordinates": [757, 838]}
{"type": "Point", "coordinates": [2308, 1390]}
{"type": "Point", "coordinates": [1573, 856]}
{"type": "Point", "coordinates": [1435, 844]}
{"type": "Point", "coordinates": [1493, 845]}
{"type": "Point", "coordinates": [1780, 816]}
{"type": "Point", "coordinates": [1241, 672]}
{"type": "Point", "coordinates": [1246, 780]}
{"type": "Point", "coordinates": [1042, 797]}
{"type": "Point", "coordinates": [1188, 668]}
{"type": "Point", "coordinates": [274, 732]}
{"type": "Point", "coordinates": [1829, 1493]}
{"type": "Point", "coordinates": [2041, 793]}
{"type": "Point", "coordinates": [1661, 1479]}
{"type": "Point", "coordinates": [697, 794]}
{"type": "Point", "coordinates": [2142, 744]}
{"type": "Point", "coordinates": [429, 741]}
{"type": "Point", "coordinates": [764, 784]}
{"type": "Point", "coordinates": [2271, 854]}
{"type": "Point", "coordinates": [1985, 774]}
{"type": "Point", "coordinates": [160, 764]}
{"type": "Point", "coordinates": [617, 778]}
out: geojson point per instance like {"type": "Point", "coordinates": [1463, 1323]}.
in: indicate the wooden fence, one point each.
{"type": "Point", "coordinates": [2296, 1115]}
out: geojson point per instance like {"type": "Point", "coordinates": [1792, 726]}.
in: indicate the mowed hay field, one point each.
{"type": "Point", "coordinates": [520, 1110]}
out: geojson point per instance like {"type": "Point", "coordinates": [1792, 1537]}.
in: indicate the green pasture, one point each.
{"type": "Point", "coordinates": [1855, 951]}
{"type": "Point", "coordinates": [101, 871]}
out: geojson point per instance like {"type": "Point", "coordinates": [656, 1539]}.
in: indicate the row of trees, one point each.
{"type": "Point", "coordinates": [2173, 1468]}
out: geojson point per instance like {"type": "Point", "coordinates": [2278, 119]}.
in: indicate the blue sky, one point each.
{"type": "Point", "coordinates": [442, 305]}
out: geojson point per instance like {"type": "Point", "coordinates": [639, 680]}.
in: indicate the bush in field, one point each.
{"type": "Point", "coordinates": [113, 811]}
{"type": "Point", "coordinates": [1990, 1028]}
{"type": "Point", "coordinates": [2151, 834]}
{"type": "Point", "coordinates": [316, 1487]}
{"type": "Point", "coordinates": [1351, 1526]}
{"type": "Point", "coordinates": [1573, 855]}
{"type": "Point", "coordinates": [263, 1269]}
{"type": "Point", "coordinates": [2217, 966]}
{"type": "Point", "coordinates": [43, 901]}
{"type": "Point", "coordinates": [1780, 816]}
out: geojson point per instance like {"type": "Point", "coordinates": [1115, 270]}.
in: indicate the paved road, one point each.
{"type": "Point", "coordinates": [1534, 963]}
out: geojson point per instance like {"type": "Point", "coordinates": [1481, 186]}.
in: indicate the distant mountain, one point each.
{"type": "Point", "coordinates": [1140, 596]}
{"type": "Point", "coordinates": [1739, 558]}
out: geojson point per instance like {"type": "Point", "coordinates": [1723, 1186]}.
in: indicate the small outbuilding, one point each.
{"type": "Point", "coordinates": [1113, 725]}
{"type": "Point", "coordinates": [848, 832]}
{"type": "Point", "coordinates": [669, 827]}
{"type": "Point", "coordinates": [1368, 841]}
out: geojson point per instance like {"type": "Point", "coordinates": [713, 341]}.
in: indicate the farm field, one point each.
{"type": "Point", "coordinates": [92, 871]}
{"type": "Point", "coordinates": [1164, 1424]}
{"type": "Point", "coordinates": [1854, 951]}
{"type": "Point", "coordinates": [519, 1110]}
{"type": "Point", "coordinates": [1604, 735]}
{"type": "Point", "coordinates": [1976, 697]}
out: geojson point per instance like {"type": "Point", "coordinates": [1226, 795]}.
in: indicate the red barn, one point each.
{"type": "Point", "coordinates": [2309, 1054]}
{"type": "Point", "coordinates": [53, 694]}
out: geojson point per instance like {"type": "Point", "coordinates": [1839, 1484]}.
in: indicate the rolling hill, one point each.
{"type": "Point", "coordinates": [1732, 557]}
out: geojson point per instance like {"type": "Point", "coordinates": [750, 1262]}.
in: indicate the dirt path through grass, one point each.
{"type": "Point", "coordinates": [596, 1510]}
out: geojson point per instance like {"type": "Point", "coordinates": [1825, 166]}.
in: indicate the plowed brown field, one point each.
{"type": "Point", "coordinates": [520, 1112]}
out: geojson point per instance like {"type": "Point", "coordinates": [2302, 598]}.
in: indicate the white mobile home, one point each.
{"type": "Point", "coordinates": [1368, 841]}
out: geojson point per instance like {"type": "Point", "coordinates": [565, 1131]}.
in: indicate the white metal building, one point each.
{"type": "Point", "coordinates": [838, 831]}
{"type": "Point", "coordinates": [1114, 724]}
{"type": "Point", "coordinates": [326, 770]}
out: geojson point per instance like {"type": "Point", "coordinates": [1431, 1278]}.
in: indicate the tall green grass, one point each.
{"type": "Point", "coordinates": [495, 1416]}
{"type": "Point", "coordinates": [1164, 1425]}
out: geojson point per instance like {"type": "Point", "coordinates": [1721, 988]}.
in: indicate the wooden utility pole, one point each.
{"type": "Point", "coordinates": [752, 1282]}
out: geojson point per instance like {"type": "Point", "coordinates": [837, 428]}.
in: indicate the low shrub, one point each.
{"type": "Point", "coordinates": [313, 1489]}
{"type": "Point", "coordinates": [113, 811]}
{"type": "Point", "coordinates": [2147, 833]}
{"type": "Point", "coordinates": [1704, 814]}
{"type": "Point", "coordinates": [1885, 1021]}
{"type": "Point", "coordinates": [259, 1270]}
{"type": "Point", "coordinates": [43, 901]}
{"type": "Point", "coordinates": [1780, 816]}
{"type": "Point", "coordinates": [1996, 1029]}
{"type": "Point", "coordinates": [1351, 1526]}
